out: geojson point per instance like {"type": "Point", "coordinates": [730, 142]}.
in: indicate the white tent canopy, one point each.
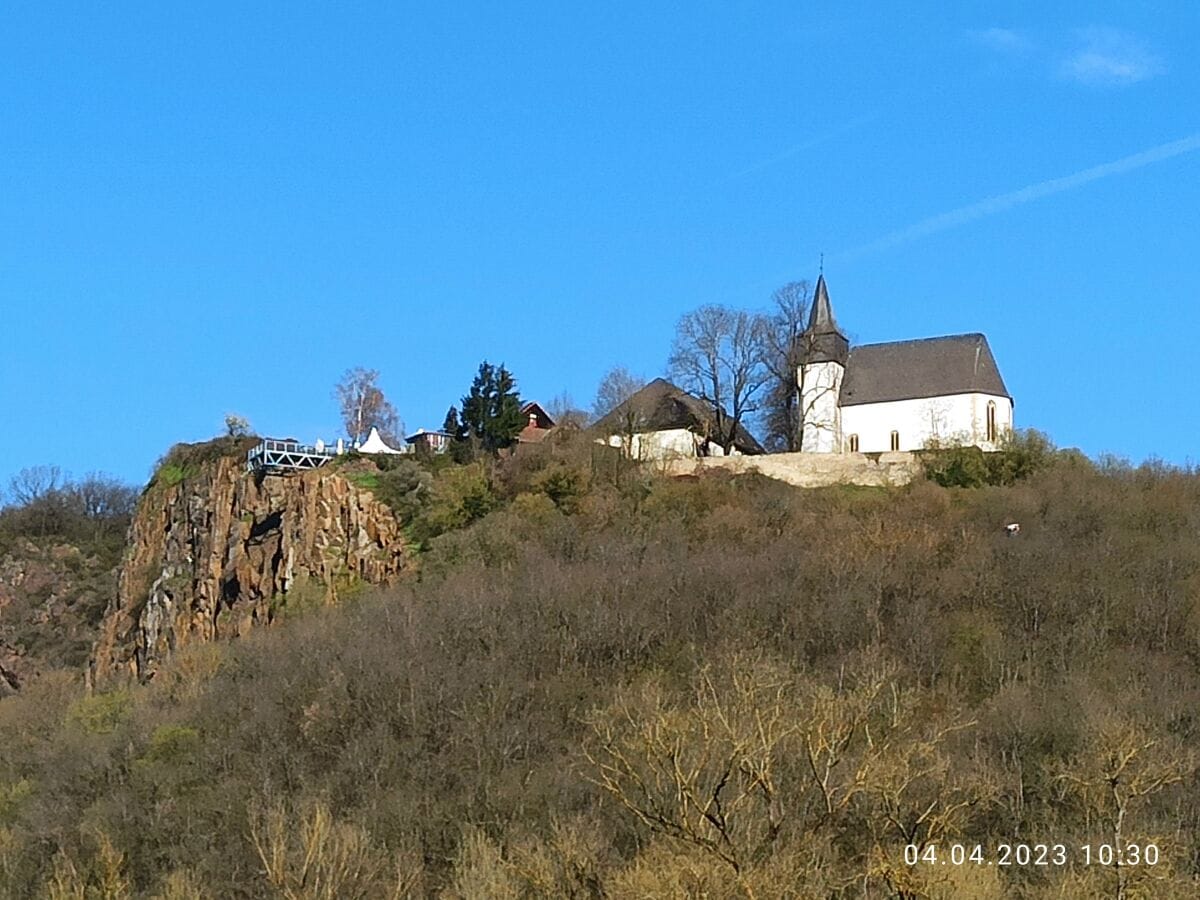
{"type": "Point", "coordinates": [375, 444]}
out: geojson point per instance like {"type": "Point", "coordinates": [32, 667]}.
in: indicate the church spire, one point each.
{"type": "Point", "coordinates": [823, 340]}
{"type": "Point", "coordinates": [820, 317]}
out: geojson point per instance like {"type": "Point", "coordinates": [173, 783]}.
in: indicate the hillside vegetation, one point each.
{"type": "Point", "coordinates": [609, 684]}
{"type": "Point", "coordinates": [60, 544]}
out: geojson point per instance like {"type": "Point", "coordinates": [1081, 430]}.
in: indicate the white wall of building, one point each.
{"type": "Point", "coordinates": [820, 385]}
{"type": "Point", "coordinates": [672, 443]}
{"type": "Point", "coordinates": [957, 418]}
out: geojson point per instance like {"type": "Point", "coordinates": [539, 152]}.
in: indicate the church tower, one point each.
{"type": "Point", "coordinates": [823, 354]}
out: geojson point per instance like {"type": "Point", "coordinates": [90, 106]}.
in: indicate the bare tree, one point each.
{"type": "Point", "coordinates": [364, 406]}
{"type": "Point", "coordinates": [563, 411]}
{"type": "Point", "coordinates": [615, 388]}
{"type": "Point", "coordinates": [236, 426]}
{"type": "Point", "coordinates": [310, 855]}
{"type": "Point", "coordinates": [718, 355]}
{"type": "Point", "coordinates": [101, 496]}
{"type": "Point", "coordinates": [1120, 768]}
{"type": "Point", "coordinates": [782, 418]}
{"type": "Point", "coordinates": [703, 769]}
{"type": "Point", "coordinates": [32, 484]}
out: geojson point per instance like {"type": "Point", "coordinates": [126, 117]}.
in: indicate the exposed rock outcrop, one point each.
{"type": "Point", "coordinates": [221, 552]}
{"type": "Point", "coordinates": [52, 597]}
{"type": "Point", "coordinates": [8, 682]}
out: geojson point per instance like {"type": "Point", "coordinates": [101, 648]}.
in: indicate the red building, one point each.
{"type": "Point", "coordinates": [538, 424]}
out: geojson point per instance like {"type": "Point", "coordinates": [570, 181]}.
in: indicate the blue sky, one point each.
{"type": "Point", "coordinates": [219, 209]}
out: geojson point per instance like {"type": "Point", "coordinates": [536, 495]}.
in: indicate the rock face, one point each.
{"type": "Point", "coordinates": [222, 552]}
{"type": "Point", "coordinates": [52, 597]}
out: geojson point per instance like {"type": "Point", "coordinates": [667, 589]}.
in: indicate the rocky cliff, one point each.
{"type": "Point", "coordinates": [218, 552]}
{"type": "Point", "coordinates": [52, 597]}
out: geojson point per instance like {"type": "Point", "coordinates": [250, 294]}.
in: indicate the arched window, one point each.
{"type": "Point", "coordinates": [991, 421]}
{"type": "Point", "coordinates": [854, 443]}
{"type": "Point", "coordinates": [895, 440]}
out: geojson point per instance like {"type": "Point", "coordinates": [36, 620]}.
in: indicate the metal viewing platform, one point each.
{"type": "Point", "coordinates": [274, 456]}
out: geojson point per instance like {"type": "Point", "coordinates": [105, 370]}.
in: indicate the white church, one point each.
{"type": "Point", "coordinates": [875, 398]}
{"type": "Point", "coordinates": [902, 395]}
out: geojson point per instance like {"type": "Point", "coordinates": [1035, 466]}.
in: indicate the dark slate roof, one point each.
{"type": "Point", "coordinates": [660, 406]}
{"type": "Point", "coordinates": [910, 370]}
{"type": "Point", "coordinates": [820, 316]}
{"type": "Point", "coordinates": [823, 341]}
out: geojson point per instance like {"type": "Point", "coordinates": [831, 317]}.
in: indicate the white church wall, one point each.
{"type": "Point", "coordinates": [957, 418]}
{"type": "Point", "coordinates": [821, 383]}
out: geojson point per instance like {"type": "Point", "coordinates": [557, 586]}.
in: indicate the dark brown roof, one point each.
{"type": "Point", "coordinates": [538, 425]}
{"type": "Point", "coordinates": [660, 406]}
{"type": "Point", "coordinates": [910, 370]}
{"type": "Point", "coordinates": [535, 409]}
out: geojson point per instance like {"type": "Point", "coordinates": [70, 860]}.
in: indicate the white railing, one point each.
{"type": "Point", "coordinates": [274, 454]}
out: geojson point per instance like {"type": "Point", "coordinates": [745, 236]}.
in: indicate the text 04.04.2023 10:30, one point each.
{"type": "Point", "coordinates": [1031, 855]}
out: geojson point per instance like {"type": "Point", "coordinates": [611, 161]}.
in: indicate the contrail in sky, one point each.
{"type": "Point", "coordinates": [815, 141]}
{"type": "Point", "coordinates": [1002, 202]}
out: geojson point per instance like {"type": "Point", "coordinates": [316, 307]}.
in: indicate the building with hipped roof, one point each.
{"type": "Point", "coordinates": [662, 421]}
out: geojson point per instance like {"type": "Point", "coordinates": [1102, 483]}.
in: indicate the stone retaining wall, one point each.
{"type": "Point", "coordinates": [811, 469]}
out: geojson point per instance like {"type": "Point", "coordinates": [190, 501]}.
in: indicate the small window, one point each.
{"type": "Point", "coordinates": [991, 421]}
{"type": "Point", "coordinates": [895, 440]}
{"type": "Point", "coordinates": [854, 443]}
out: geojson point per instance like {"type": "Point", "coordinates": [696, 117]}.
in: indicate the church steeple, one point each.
{"type": "Point", "coordinates": [824, 351]}
{"type": "Point", "coordinates": [820, 317]}
{"type": "Point", "coordinates": [823, 341]}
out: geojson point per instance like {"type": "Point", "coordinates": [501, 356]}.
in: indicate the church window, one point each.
{"type": "Point", "coordinates": [895, 440]}
{"type": "Point", "coordinates": [854, 443]}
{"type": "Point", "coordinates": [991, 420]}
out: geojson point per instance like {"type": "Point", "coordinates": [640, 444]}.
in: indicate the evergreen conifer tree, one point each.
{"type": "Point", "coordinates": [491, 411]}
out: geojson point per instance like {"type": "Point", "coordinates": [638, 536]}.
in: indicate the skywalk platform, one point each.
{"type": "Point", "coordinates": [276, 456]}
